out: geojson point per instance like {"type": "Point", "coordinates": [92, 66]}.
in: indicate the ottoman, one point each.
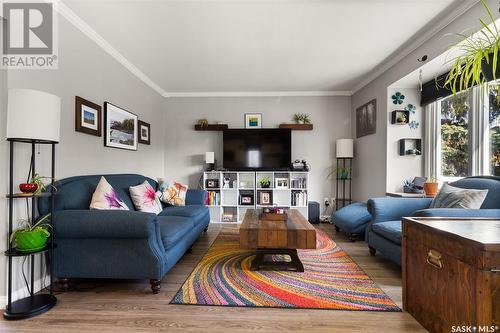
{"type": "Point", "coordinates": [352, 220]}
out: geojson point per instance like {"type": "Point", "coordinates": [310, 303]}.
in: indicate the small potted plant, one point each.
{"type": "Point", "coordinates": [340, 172]}
{"type": "Point", "coordinates": [431, 187]}
{"type": "Point", "coordinates": [203, 122]}
{"type": "Point", "coordinates": [34, 186]}
{"type": "Point", "coordinates": [301, 118]}
{"type": "Point", "coordinates": [31, 237]}
{"type": "Point", "coordinates": [265, 182]}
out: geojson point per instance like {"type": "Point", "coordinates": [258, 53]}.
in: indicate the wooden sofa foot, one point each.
{"type": "Point", "coordinates": [190, 250]}
{"type": "Point", "coordinates": [372, 250]}
{"type": "Point", "coordinates": [155, 285]}
{"type": "Point", "coordinates": [63, 283]}
{"type": "Point", "coordinates": [205, 230]}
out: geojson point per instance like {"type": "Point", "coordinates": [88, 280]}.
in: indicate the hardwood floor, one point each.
{"type": "Point", "coordinates": [118, 306]}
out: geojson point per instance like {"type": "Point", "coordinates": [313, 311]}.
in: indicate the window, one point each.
{"type": "Point", "coordinates": [494, 130]}
{"type": "Point", "coordinates": [455, 156]}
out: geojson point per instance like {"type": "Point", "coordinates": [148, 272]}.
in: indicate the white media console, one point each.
{"type": "Point", "coordinates": [231, 193]}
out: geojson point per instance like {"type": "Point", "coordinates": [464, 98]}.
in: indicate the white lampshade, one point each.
{"type": "Point", "coordinates": [209, 157]}
{"type": "Point", "coordinates": [33, 114]}
{"type": "Point", "coordinates": [345, 148]}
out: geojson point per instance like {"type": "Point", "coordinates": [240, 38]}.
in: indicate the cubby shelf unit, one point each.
{"type": "Point", "coordinates": [233, 186]}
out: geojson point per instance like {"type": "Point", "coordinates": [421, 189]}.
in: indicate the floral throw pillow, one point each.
{"type": "Point", "coordinates": [173, 193]}
{"type": "Point", "coordinates": [145, 199]}
{"type": "Point", "coordinates": [105, 197]}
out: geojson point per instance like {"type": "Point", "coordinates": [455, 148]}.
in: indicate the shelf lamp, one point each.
{"type": "Point", "coordinates": [33, 115]}
{"type": "Point", "coordinates": [345, 148]}
{"type": "Point", "coordinates": [210, 160]}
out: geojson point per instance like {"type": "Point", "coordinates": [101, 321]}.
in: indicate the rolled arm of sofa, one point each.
{"type": "Point", "coordinates": [104, 224]}
{"type": "Point", "coordinates": [457, 212]}
{"type": "Point", "coordinates": [390, 208]}
{"type": "Point", "coordinates": [196, 197]}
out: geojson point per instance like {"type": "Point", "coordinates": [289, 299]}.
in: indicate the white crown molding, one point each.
{"type": "Point", "coordinates": [69, 15]}
{"type": "Point", "coordinates": [255, 94]}
{"type": "Point", "coordinates": [416, 41]}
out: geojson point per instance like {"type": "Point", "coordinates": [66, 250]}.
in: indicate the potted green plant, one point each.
{"type": "Point", "coordinates": [340, 172]}
{"type": "Point", "coordinates": [265, 182]}
{"type": "Point", "coordinates": [31, 237]}
{"type": "Point", "coordinates": [431, 186]}
{"type": "Point", "coordinates": [203, 122]}
{"type": "Point", "coordinates": [478, 59]}
{"type": "Point", "coordinates": [301, 118]}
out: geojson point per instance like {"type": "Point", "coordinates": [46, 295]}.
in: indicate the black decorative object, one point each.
{"type": "Point", "coordinates": [410, 147]}
{"type": "Point", "coordinates": [34, 304]}
{"type": "Point", "coordinates": [344, 184]}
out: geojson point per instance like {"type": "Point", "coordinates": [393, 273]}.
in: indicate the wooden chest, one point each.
{"type": "Point", "coordinates": [451, 273]}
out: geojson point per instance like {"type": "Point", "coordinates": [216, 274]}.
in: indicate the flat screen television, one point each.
{"type": "Point", "coordinates": [257, 149]}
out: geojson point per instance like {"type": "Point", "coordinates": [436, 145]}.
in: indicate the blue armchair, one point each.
{"type": "Point", "coordinates": [118, 244]}
{"type": "Point", "coordinates": [384, 232]}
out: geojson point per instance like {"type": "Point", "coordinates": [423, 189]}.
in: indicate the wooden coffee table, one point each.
{"type": "Point", "coordinates": [277, 237]}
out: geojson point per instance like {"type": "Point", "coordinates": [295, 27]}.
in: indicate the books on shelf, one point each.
{"type": "Point", "coordinates": [299, 198]}
{"type": "Point", "coordinates": [213, 198]}
{"type": "Point", "coordinates": [299, 183]}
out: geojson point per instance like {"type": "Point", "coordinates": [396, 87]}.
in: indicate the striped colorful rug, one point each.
{"type": "Point", "coordinates": [332, 280]}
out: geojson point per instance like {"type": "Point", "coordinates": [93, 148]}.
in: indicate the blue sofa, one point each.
{"type": "Point", "coordinates": [384, 232]}
{"type": "Point", "coordinates": [118, 244]}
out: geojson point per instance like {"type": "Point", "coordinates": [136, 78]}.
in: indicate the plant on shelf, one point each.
{"type": "Point", "coordinates": [301, 118]}
{"type": "Point", "coordinates": [30, 236]}
{"type": "Point", "coordinates": [265, 182]}
{"type": "Point", "coordinates": [477, 62]}
{"type": "Point", "coordinates": [431, 186]}
{"type": "Point", "coordinates": [203, 122]}
{"type": "Point", "coordinates": [35, 185]}
{"type": "Point", "coordinates": [340, 172]}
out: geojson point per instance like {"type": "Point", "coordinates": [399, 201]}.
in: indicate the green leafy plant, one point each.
{"type": "Point", "coordinates": [42, 225]}
{"type": "Point", "coordinates": [338, 171]}
{"type": "Point", "coordinates": [306, 118]}
{"type": "Point", "coordinates": [301, 118]}
{"type": "Point", "coordinates": [39, 180]}
{"type": "Point", "coordinates": [265, 182]}
{"type": "Point", "coordinates": [466, 70]}
{"type": "Point", "coordinates": [297, 118]}
{"type": "Point", "coordinates": [203, 122]}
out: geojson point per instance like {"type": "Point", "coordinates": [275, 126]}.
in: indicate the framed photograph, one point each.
{"type": "Point", "coordinates": [281, 182]}
{"type": "Point", "coordinates": [366, 119]}
{"type": "Point", "coordinates": [212, 183]}
{"type": "Point", "coordinates": [120, 127]}
{"type": "Point", "coordinates": [227, 217]}
{"type": "Point", "coordinates": [88, 117]}
{"type": "Point", "coordinates": [265, 198]}
{"type": "Point", "coordinates": [144, 133]}
{"type": "Point", "coordinates": [253, 120]}
{"type": "Point", "coordinates": [247, 199]}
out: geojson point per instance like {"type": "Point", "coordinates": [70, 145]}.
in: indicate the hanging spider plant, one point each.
{"type": "Point", "coordinates": [477, 63]}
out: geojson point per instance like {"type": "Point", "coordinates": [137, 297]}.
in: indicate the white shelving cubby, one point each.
{"type": "Point", "coordinates": [232, 193]}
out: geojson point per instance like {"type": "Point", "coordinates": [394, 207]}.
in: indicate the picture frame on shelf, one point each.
{"type": "Point", "coordinates": [253, 120]}
{"type": "Point", "coordinates": [281, 183]}
{"type": "Point", "coordinates": [227, 217]}
{"type": "Point", "coordinates": [366, 119]}
{"type": "Point", "coordinates": [265, 198]}
{"type": "Point", "coordinates": [88, 117]}
{"type": "Point", "coordinates": [120, 127]}
{"type": "Point", "coordinates": [246, 199]}
{"type": "Point", "coordinates": [144, 132]}
{"type": "Point", "coordinates": [212, 183]}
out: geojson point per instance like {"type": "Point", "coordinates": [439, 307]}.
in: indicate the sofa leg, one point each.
{"type": "Point", "coordinates": [205, 230]}
{"type": "Point", "coordinates": [337, 229]}
{"type": "Point", "coordinates": [63, 283]}
{"type": "Point", "coordinates": [155, 285]}
{"type": "Point", "coordinates": [190, 250]}
{"type": "Point", "coordinates": [372, 250]}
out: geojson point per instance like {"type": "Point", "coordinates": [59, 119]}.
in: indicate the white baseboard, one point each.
{"type": "Point", "coordinates": [21, 293]}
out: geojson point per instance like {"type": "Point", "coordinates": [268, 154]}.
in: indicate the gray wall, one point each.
{"type": "Point", "coordinates": [185, 148]}
{"type": "Point", "coordinates": [371, 173]}
{"type": "Point", "coordinates": [87, 71]}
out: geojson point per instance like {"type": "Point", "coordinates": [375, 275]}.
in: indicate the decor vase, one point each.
{"type": "Point", "coordinates": [28, 187]}
{"type": "Point", "coordinates": [30, 241]}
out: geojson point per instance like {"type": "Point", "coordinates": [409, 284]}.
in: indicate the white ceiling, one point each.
{"type": "Point", "coordinates": [255, 45]}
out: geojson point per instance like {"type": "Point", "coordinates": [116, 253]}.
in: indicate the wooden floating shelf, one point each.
{"type": "Point", "coordinates": [298, 127]}
{"type": "Point", "coordinates": [210, 127]}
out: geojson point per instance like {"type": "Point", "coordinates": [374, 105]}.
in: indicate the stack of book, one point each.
{"type": "Point", "coordinates": [299, 183]}
{"type": "Point", "coordinates": [213, 198]}
{"type": "Point", "coordinates": [299, 198]}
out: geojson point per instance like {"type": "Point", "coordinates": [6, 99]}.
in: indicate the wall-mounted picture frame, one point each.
{"type": "Point", "coordinates": [253, 120]}
{"type": "Point", "coordinates": [88, 117]}
{"type": "Point", "coordinates": [366, 119]}
{"type": "Point", "coordinates": [120, 127]}
{"type": "Point", "coordinates": [144, 132]}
